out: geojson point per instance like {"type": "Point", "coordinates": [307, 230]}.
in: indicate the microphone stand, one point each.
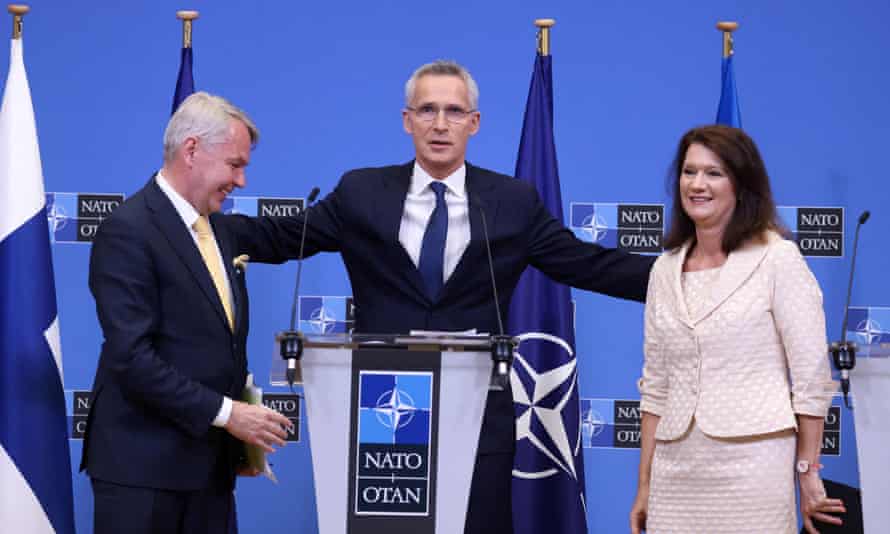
{"type": "Point", "coordinates": [502, 345]}
{"type": "Point", "coordinates": [843, 352]}
{"type": "Point", "coordinates": [290, 342]}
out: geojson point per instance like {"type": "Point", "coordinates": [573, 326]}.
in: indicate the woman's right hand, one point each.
{"type": "Point", "coordinates": [814, 504]}
{"type": "Point", "coordinates": [639, 511]}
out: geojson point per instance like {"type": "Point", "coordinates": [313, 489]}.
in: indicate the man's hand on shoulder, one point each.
{"type": "Point", "coordinates": [257, 425]}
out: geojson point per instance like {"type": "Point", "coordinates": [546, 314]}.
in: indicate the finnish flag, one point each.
{"type": "Point", "coordinates": [35, 463]}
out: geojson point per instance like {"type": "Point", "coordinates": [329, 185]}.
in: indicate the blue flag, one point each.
{"type": "Point", "coordinates": [185, 83]}
{"type": "Point", "coordinates": [35, 462]}
{"type": "Point", "coordinates": [728, 109]}
{"type": "Point", "coordinates": [548, 470]}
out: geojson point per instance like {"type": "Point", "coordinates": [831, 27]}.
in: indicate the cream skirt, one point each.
{"type": "Point", "coordinates": [705, 485]}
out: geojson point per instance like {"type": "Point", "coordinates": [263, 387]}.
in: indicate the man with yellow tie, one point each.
{"type": "Point", "coordinates": [164, 437]}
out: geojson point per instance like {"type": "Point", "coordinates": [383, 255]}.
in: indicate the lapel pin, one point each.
{"type": "Point", "coordinates": [240, 262]}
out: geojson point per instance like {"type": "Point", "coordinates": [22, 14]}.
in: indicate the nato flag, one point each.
{"type": "Point", "coordinates": [548, 470]}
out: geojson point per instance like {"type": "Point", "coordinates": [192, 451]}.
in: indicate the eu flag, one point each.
{"type": "Point", "coordinates": [185, 84]}
{"type": "Point", "coordinates": [728, 109]}
{"type": "Point", "coordinates": [35, 462]}
{"type": "Point", "coordinates": [548, 470]}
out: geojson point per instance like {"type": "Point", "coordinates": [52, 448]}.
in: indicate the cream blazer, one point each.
{"type": "Point", "coordinates": [751, 360]}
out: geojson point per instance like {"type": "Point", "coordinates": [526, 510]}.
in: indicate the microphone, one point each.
{"type": "Point", "coordinates": [291, 341]}
{"type": "Point", "coordinates": [502, 345]}
{"type": "Point", "coordinates": [843, 353]}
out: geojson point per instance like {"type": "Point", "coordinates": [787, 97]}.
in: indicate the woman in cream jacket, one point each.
{"type": "Point", "coordinates": [736, 382]}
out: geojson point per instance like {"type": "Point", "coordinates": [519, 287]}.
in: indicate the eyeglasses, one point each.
{"type": "Point", "coordinates": [453, 114]}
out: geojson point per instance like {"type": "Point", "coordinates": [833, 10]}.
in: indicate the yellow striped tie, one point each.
{"type": "Point", "coordinates": [210, 253]}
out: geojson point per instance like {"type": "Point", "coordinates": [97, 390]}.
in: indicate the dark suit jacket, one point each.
{"type": "Point", "coordinates": [361, 219]}
{"type": "Point", "coordinates": [168, 356]}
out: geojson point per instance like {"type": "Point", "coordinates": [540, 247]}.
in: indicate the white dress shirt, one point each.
{"type": "Point", "coordinates": [419, 205]}
{"type": "Point", "coordinates": [189, 215]}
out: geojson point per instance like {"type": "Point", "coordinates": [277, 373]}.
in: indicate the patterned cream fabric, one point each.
{"type": "Point", "coordinates": [705, 485]}
{"type": "Point", "coordinates": [729, 362]}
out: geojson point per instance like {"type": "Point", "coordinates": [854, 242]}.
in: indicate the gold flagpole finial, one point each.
{"type": "Point", "coordinates": [727, 28]}
{"type": "Point", "coordinates": [18, 11]}
{"type": "Point", "coordinates": [186, 16]}
{"type": "Point", "coordinates": [544, 35]}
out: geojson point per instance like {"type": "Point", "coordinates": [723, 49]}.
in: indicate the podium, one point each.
{"type": "Point", "coordinates": [870, 381]}
{"type": "Point", "coordinates": [394, 426]}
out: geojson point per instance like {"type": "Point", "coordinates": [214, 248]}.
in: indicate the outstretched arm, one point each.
{"type": "Point", "coordinates": [556, 251]}
{"type": "Point", "coordinates": [277, 239]}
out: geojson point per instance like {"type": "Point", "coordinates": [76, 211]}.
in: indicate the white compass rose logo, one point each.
{"type": "Point", "coordinates": [594, 226]}
{"type": "Point", "coordinates": [56, 217]}
{"type": "Point", "coordinates": [592, 425]}
{"type": "Point", "coordinates": [395, 409]}
{"type": "Point", "coordinates": [322, 320]}
{"type": "Point", "coordinates": [869, 331]}
{"type": "Point", "coordinates": [542, 424]}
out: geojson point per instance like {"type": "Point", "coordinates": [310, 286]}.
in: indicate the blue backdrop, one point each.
{"type": "Point", "coordinates": [324, 82]}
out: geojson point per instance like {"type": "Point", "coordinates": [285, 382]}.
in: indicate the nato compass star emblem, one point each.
{"type": "Point", "coordinates": [869, 331]}
{"type": "Point", "coordinates": [395, 409]}
{"type": "Point", "coordinates": [56, 217]}
{"type": "Point", "coordinates": [322, 320]}
{"type": "Point", "coordinates": [595, 227]}
{"type": "Point", "coordinates": [592, 425]}
{"type": "Point", "coordinates": [541, 397]}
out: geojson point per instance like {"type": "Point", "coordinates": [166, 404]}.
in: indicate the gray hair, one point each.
{"type": "Point", "coordinates": [443, 67]}
{"type": "Point", "coordinates": [206, 117]}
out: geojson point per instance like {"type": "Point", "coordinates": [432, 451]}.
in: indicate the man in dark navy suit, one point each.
{"type": "Point", "coordinates": [164, 436]}
{"type": "Point", "coordinates": [411, 239]}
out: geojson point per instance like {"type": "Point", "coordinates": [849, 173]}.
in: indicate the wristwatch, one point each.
{"type": "Point", "coordinates": [805, 466]}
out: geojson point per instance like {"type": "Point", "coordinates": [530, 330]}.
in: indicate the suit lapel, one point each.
{"type": "Point", "coordinates": [739, 266]}
{"type": "Point", "coordinates": [392, 206]}
{"type": "Point", "coordinates": [171, 226]}
{"type": "Point", "coordinates": [677, 259]}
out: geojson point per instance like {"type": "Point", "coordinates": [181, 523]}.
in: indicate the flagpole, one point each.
{"type": "Point", "coordinates": [186, 16]}
{"type": "Point", "coordinates": [18, 11]}
{"type": "Point", "coordinates": [185, 83]}
{"type": "Point", "coordinates": [544, 26]}
{"type": "Point", "coordinates": [727, 28]}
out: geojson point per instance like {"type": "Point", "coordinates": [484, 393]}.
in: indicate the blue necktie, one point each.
{"type": "Point", "coordinates": [432, 249]}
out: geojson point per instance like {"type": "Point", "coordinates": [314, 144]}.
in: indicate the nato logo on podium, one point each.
{"type": "Point", "coordinates": [392, 464]}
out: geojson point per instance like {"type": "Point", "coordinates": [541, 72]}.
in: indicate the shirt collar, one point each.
{"type": "Point", "coordinates": [456, 182]}
{"type": "Point", "coordinates": [186, 211]}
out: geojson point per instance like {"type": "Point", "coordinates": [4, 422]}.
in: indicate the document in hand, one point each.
{"type": "Point", "coordinates": [256, 456]}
